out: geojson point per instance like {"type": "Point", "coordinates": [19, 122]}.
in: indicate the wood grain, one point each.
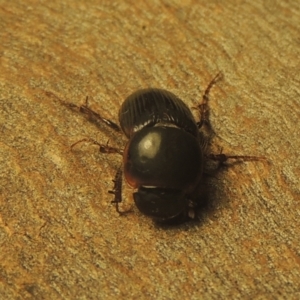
{"type": "Point", "coordinates": [60, 238]}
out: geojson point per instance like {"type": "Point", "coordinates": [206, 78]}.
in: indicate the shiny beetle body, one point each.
{"type": "Point", "coordinates": [165, 153]}
{"type": "Point", "coordinates": [163, 158]}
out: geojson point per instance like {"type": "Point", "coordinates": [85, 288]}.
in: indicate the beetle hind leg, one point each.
{"type": "Point", "coordinates": [203, 108]}
{"type": "Point", "coordinates": [103, 148]}
{"type": "Point", "coordinates": [221, 158]}
{"type": "Point", "coordinates": [94, 116]}
{"type": "Point", "coordinates": [84, 109]}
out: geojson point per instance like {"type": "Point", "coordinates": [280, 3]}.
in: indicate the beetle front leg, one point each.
{"type": "Point", "coordinates": [117, 191]}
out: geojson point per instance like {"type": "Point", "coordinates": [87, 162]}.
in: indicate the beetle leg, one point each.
{"type": "Point", "coordinates": [103, 148]}
{"type": "Point", "coordinates": [222, 158]}
{"type": "Point", "coordinates": [203, 106]}
{"type": "Point", "coordinates": [96, 117]}
{"type": "Point", "coordinates": [117, 191]}
{"type": "Point", "coordinates": [92, 115]}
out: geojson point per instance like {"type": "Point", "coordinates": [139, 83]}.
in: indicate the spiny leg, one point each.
{"type": "Point", "coordinates": [92, 115]}
{"type": "Point", "coordinates": [204, 120]}
{"type": "Point", "coordinates": [103, 148]}
{"type": "Point", "coordinates": [203, 106]}
{"type": "Point", "coordinates": [96, 117]}
{"type": "Point", "coordinates": [117, 191]}
{"type": "Point", "coordinates": [222, 158]}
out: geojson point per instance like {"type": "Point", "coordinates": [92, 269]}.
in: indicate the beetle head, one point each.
{"type": "Point", "coordinates": [159, 203]}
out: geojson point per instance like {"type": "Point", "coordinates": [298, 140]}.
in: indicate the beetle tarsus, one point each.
{"type": "Point", "coordinates": [217, 78]}
{"type": "Point", "coordinates": [94, 116]}
{"type": "Point", "coordinates": [84, 109]}
{"type": "Point", "coordinates": [103, 148]}
{"type": "Point", "coordinates": [222, 158]}
{"type": "Point", "coordinates": [203, 106]}
{"type": "Point", "coordinates": [71, 106]}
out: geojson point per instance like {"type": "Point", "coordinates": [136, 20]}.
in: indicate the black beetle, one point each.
{"type": "Point", "coordinates": [165, 152]}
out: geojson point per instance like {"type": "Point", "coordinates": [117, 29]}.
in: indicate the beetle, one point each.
{"type": "Point", "coordinates": [165, 153]}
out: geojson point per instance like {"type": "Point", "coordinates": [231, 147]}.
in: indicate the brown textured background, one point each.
{"type": "Point", "coordinates": [59, 235]}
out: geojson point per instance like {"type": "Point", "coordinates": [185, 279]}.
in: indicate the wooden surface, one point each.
{"type": "Point", "coordinates": [60, 238]}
